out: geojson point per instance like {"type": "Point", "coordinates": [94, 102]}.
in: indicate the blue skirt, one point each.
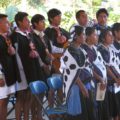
{"type": "Point", "coordinates": [74, 102]}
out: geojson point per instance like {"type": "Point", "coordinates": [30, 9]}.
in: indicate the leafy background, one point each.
{"type": "Point", "coordinates": [68, 8]}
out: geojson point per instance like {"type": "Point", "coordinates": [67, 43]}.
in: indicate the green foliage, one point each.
{"type": "Point", "coordinates": [4, 3]}
{"type": "Point", "coordinates": [96, 2]}
{"type": "Point", "coordinates": [68, 10]}
{"type": "Point", "coordinates": [67, 19]}
{"type": "Point", "coordinates": [35, 3]}
{"type": "Point", "coordinates": [114, 17]}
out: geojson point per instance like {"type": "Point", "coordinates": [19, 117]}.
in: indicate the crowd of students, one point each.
{"type": "Point", "coordinates": [88, 55]}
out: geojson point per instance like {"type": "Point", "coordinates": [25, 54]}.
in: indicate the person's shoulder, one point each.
{"type": "Point", "coordinates": [72, 28]}
{"type": "Point", "coordinates": [63, 29]}
{"type": "Point", "coordinates": [48, 29]}
{"type": "Point", "coordinates": [96, 26]}
{"type": "Point", "coordinates": [84, 46]}
{"type": "Point", "coordinates": [13, 34]}
{"type": "Point", "coordinates": [1, 38]}
{"type": "Point", "coordinates": [100, 46]}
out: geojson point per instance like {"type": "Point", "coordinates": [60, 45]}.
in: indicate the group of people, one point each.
{"type": "Point", "coordinates": [87, 56]}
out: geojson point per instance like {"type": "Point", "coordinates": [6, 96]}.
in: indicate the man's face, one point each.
{"type": "Point", "coordinates": [25, 24]}
{"type": "Point", "coordinates": [83, 19]}
{"type": "Point", "coordinates": [102, 19]}
{"type": "Point", "coordinates": [4, 25]}
{"type": "Point", "coordinates": [56, 20]}
{"type": "Point", "coordinates": [40, 25]}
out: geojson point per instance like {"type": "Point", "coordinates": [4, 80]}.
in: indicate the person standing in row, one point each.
{"type": "Point", "coordinates": [82, 20]}
{"type": "Point", "coordinates": [8, 75]}
{"type": "Point", "coordinates": [58, 39]}
{"type": "Point", "coordinates": [106, 40]}
{"type": "Point", "coordinates": [43, 47]}
{"type": "Point", "coordinates": [27, 58]}
{"type": "Point", "coordinates": [102, 18]}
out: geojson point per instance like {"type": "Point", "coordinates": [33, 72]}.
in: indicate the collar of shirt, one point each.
{"type": "Point", "coordinates": [51, 26]}
{"type": "Point", "coordinates": [101, 26]}
{"type": "Point", "coordinates": [39, 33]}
{"type": "Point", "coordinates": [21, 32]}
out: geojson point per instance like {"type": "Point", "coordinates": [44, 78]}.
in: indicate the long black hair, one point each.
{"type": "Point", "coordinates": [77, 32]}
{"type": "Point", "coordinates": [103, 34]}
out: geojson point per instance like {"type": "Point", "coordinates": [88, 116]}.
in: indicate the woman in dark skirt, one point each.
{"type": "Point", "coordinates": [78, 97]}
{"type": "Point", "coordinates": [116, 47]}
{"type": "Point", "coordinates": [88, 108]}
{"type": "Point", "coordinates": [106, 39]}
{"type": "Point", "coordinates": [99, 72]}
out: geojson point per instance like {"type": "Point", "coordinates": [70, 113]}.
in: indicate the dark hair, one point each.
{"type": "Point", "coordinates": [101, 10]}
{"type": "Point", "coordinates": [89, 31]}
{"type": "Point", "coordinates": [3, 16]}
{"type": "Point", "coordinates": [103, 34]}
{"type": "Point", "coordinates": [52, 13]}
{"type": "Point", "coordinates": [20, 16]}
{"type": "Point", "coordinates": [36, 18]}
{"type": "Point", "coordinates": [78, 13]}
{"type": "Point", "coordinates": [115, 27]}
{"type": "Point", "coordinates": [77, 32]}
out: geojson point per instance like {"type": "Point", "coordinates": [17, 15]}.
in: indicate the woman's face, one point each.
{"type": "Point", "coordinates": [94, 38]}
{"type": "Point", "coordinates": [81, 38]}
{"type": "Point", "coordinates": [109, 38]}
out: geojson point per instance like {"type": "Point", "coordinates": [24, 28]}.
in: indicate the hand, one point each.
{"type": "Point", "coordinates": [85, 92]}
{"type": "Point", "coordinates": [11, 50]}
{"type": "Point", "coordinates": [2, 83]}
{"type": "Point", "coordinates": [102, 86]}
{"type": "Point", "coordinates": [33, 54]}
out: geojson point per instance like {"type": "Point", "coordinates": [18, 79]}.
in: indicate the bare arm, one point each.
{"type": "Point", "coordinates": [117, 80]}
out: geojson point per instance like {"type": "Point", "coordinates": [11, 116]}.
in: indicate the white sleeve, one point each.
{"type": "Point", "coordinates": [56, 49]}
{"type": "Point", "coordinates": [62, 65]}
